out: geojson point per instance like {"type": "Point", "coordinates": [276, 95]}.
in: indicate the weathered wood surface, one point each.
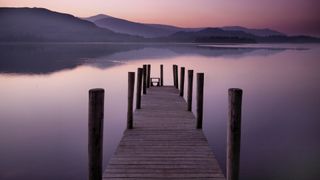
{"type": "Point", "coordinates": [164, 142]}
{"type": "Point", "coordinates": [95, 145]}
{"type": "Point", "coordinates": [234, 133]}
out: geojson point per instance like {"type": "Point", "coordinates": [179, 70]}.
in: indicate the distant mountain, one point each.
{"type": "Point", "coordinates": [257, 32]}
{"type": "Point", "coordinates": [167, 33]}
{"type": "Point", "coordinates": [160, 30]}
{"type": "Point", "coordinates": [133, 28]}
{"type": "Point", "coordinates": [136, 28]}
{"type": "Point", "coordinates": [218, 35]}
{"type": "Point", "coordinates": [97, 17]}
{"type": "Point", "coordinates": [43, 25]}
{"type": "Point", "coordinates": [210, 35]}
{"type": "Point", "coordinates": [38, 24]}
{"type": "Point", "coordinates": [174, 28]}
{"type": "Point", "coordinates": [288, 39]}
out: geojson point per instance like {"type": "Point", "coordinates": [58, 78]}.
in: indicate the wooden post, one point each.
{"type": "Point", "coordinates": [190, 87]}
{"type": "Point", "coordinates": [234, 134]}
{"type": "Point", "coordinates": [139, 84]}
{"type": "Point", "coordinates": [161, 75]}
{"type": "Point", "coordinates": [130, 100]}
{"type": "Point", "coordinates": [200, 82]}
{"type": "Point", "coordinates": [144, 79]}
{"type": "Point", "coordinates": [182, 81]}
{"type": "Point", "coordinates": [149, 75]}
{"type": "Point", "coordinates": [95, 144]}
{"type": "Point", "coordinates": [176, 77]}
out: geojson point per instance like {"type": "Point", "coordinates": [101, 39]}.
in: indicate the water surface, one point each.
{"type": "Point", "coordinates": [44, 103]}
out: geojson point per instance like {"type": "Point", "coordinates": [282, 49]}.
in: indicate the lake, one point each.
{"type": "Point", "coordinates": [44, 103]}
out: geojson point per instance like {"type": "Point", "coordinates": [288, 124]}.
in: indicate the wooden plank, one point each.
{"type": "Point", "coordinates": [183, 178]}
{"type": "Point", "coordinates": [156, 170]}
{"type": "Point", "coordinates": [164, 142]}
{"type": "Point", "coordinates": [163, 175]}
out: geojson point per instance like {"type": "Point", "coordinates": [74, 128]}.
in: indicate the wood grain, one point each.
{"type": "Point", "coordinates": [164, 143]}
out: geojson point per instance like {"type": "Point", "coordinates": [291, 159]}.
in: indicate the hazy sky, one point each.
{"type": "Point", "coordinates": [290, 16]}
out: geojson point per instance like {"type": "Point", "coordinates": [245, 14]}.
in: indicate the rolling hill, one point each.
{"type": "Point", "coordinates": [211, 35]}
{"type": "Point", "coordinates": [43, 25]}
{"type": "Point", "coordinates": [160, 30]}
{"type": "Point", "coordinates": [257, 32]}
{"type": "Point", "coordinates": [38, 24]}
{"type": "Point", "coordinates": [132, 28]}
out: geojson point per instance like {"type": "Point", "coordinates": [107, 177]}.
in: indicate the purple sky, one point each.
{"type": "Point", "coordinates": [289, 16]}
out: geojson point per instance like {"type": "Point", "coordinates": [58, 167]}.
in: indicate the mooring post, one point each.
{"type": "Point", "coordinates": [95, 144]}
{"type": "Point", "coordinates": [174, 74]}
{"type": "Point", "coordinates": [139, 84]}
{"type": "Point", "coordinates": [144, 79]}
{"type": "Point", "coordinates": [130, 100]}
{"type": "Point", "coordinates": [176, 77]}
{"type": "Point", "coordinates": [182, 69]}
{"type": "Point", "coordinates": [234, 134]}
{"type": "Point", "coordinates": [190, 87]}
{"type": "Point", "coordinates": [200, 82]}
{"type": "Point", "coordinates": [149, 75]}
{"type": "Point", "coordinates": [161, 75]}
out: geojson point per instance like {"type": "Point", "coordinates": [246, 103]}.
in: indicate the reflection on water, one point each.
{"type": "Point", "coordinates": [48, 58]}
{"type": "Point", "coordinates": [43, 132]}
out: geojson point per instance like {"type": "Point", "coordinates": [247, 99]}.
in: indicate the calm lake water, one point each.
{"type": "Point", "coordinates": [44, 104]}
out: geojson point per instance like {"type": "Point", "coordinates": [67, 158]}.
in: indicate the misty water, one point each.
{"type": "Point", "coordinates": [44, 104]}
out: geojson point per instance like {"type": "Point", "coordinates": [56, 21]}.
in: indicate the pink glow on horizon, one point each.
{"type": "Point", "coordinates": [290, 16]}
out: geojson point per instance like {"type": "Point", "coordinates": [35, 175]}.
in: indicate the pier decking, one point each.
{"type": "Point", "coordinates": [164, 142]}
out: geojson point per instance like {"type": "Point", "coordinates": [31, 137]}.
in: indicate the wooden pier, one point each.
{"type": "Point", "coordinates": [163, 139]}
{"type": "Point", "coordinates": [164, 143]}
